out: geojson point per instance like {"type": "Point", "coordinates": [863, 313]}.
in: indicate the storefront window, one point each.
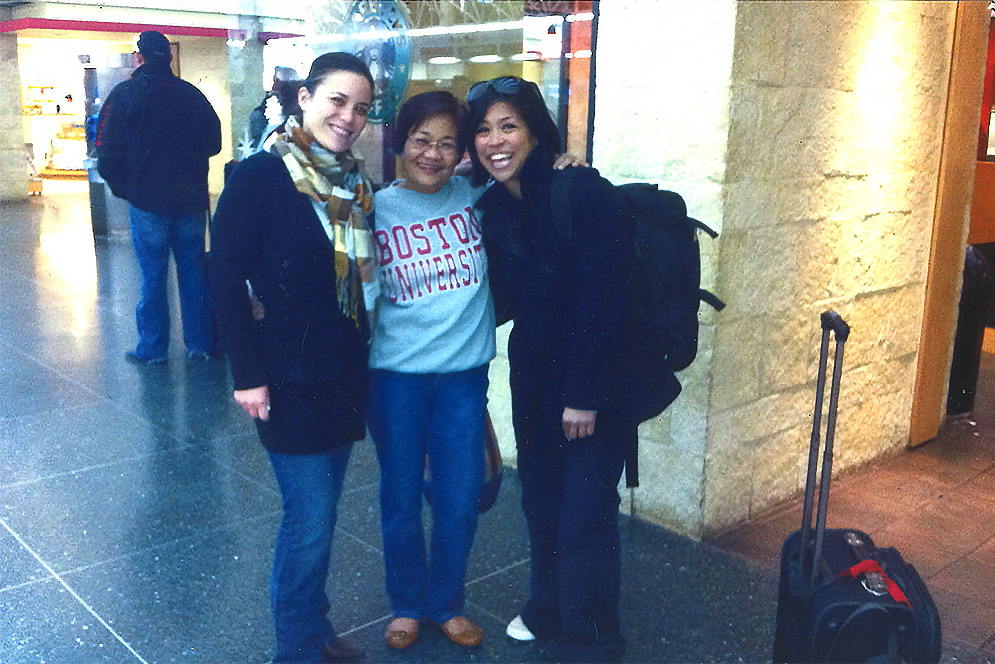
{"type": "Point", "coordinates": [415, 47]}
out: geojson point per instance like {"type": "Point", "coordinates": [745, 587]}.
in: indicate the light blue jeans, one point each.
{"type": "Point", "coordinates": [310, 486]}
{"type": "Point", "coordinates": [442, 415]}
{"type": "Point", "coordinates": [154, 236]}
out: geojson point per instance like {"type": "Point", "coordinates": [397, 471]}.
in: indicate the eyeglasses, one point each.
{"type": "Point", "coordinates": [422, 144]}
{"type": "Point", "coordinates": [505, 85]}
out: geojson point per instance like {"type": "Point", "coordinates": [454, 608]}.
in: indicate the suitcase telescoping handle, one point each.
{"type": "Point", "coordinates": [832, 323]}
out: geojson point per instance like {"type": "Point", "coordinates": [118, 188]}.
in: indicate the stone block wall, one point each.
{"type": "Point", "coordinates": [204, 63]}
{"type": "Point", "coordinates": [13, 158]}
{"type": "Point", "coordinates": [832, 168]}
{"type": "Point", "coordinates": [809, 134]}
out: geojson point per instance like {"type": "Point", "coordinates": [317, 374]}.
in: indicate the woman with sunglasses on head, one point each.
{"type": "Point", "coordinates": [559, 282]}
{"type": "Point", "coordinates": [429, 356]}
{"type": "Point", "coordinates": [292, 221]}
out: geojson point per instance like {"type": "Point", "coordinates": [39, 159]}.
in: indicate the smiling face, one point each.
{"type": "Point", "coordinates": [503, 141]}
{"type": "Point", "coordinates": [430, 154]}
{"type": "Point", "coordinates": [335, 114]}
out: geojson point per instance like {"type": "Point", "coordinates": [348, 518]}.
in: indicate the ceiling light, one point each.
{"type": "Point", "coordinates": [458, 29]}
{"type": "Point", "coordinates": [582, 16]}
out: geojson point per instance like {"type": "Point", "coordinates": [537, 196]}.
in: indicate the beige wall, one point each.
{"type": "Point", "coordinates": [662, 114]}
{"type": "Point", "coordinates": [832, 172]}
{"type": "Point", "coordinates": [809, 133]}
{"type": "Point", "coordinates": [204, 62]}
{"type": "Point", "coordinates": [13, 160]}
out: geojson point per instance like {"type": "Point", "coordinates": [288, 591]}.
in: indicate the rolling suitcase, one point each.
{"type": "Point", "coordinates": [840, 598]}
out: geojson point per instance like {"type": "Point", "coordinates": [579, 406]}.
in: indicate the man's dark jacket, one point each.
{"type": "Point", "coordinates": [155, 135]}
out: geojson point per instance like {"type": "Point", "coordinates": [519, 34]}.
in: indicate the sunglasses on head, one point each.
{"type": "Point", "coordinates": [505, 85]}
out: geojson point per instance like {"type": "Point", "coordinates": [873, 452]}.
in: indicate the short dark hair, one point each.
{"type": "Point", "coordinates": [328, 63]}
{"type": "Point", "coordinates": [527, 102]}
{"type": "Point", "coordinates": [287, 96]}
{"type": "Point", "coordinates": [423, 106]}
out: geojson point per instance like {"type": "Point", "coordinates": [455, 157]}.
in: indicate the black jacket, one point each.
{"type": "Point", "coordinates": [561, 284]}
{"type": "Point", "coordinates": [267, 232]}
{"type": "Point", "coordinates": [155, 134]}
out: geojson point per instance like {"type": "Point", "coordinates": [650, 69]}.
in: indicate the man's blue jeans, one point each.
{"type": "Point", "coordinates": [310, 486]}
{"type": "Point", "coordinates": [153, 236]}
{"type": "Point", "coordinates": [442, 415]}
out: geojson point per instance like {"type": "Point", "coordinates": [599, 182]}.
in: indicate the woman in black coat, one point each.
{"type": "Point", "coordinates": [558, 277]}
{"type": "Point", "coordinates": [292, 222]}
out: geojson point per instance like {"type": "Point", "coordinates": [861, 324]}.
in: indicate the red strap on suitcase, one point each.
{"type": "Point", "coordinates": [872, 567]}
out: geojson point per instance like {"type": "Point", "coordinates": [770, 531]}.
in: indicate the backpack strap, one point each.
{"type": "Point", "coordinates": [711, 299]}
{"type": "Point", "coordinates": [702, 226]}
{"type": "Point", "coordinates": [708, 297]}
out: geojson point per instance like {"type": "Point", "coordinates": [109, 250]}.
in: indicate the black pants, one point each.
{"type": "Point", "coordinates": [570, 499]}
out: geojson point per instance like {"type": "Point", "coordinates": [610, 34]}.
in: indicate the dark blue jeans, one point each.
{"type": "Point", "coordinates": [310, 486]}
{"type": "Point", "coordinates": [570, 499]}
{"type": "Point", "coordinates": [442, 415]}
{"type": "Point", "coordinates": [154, 236]}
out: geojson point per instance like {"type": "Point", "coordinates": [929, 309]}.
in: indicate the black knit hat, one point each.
{"type": "Point", "coordinates": [154, 46]}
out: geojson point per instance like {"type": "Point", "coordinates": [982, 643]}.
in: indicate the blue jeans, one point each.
{"type": "Point", "coordinates": [442, 415]}
{"type": "Point", "coordinates": [153, 236]}
{"type": "Point", "coordinates": [310, 486]}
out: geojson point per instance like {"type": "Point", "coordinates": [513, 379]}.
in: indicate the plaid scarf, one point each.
{"type": "Point", "coordinates": [343, 199]}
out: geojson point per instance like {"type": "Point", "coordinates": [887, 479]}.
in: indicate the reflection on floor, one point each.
{"type": "Point", "coordinates": [137, 509]}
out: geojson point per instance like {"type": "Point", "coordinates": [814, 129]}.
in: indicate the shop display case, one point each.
{"type": "Point", "coordinates": [45, 100]}
{"type": "Point", "coordinates": [67, 150]}
{"type": "Point", "coordinates": [59, 139]}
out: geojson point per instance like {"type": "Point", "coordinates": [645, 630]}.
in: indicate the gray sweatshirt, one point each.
{"type": "Point", "coordinates": [435, 309]}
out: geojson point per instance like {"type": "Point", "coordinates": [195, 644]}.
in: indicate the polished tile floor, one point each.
{"type": "Point", "coordinates": [137, 509]}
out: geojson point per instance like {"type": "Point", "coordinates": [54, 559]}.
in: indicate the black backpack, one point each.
{"type": "Point", "coordinates": [660, 321]}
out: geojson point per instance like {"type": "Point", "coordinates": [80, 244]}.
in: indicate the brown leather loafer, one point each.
{"type": "Point", "coordinates": [462, 632]}
{"type": "Point", "coordinates": [401, 632]}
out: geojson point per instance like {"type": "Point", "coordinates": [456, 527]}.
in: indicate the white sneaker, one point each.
{"type": "Point", "coordinates": [518, 631]}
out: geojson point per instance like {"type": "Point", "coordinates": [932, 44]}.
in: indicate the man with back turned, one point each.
{"type": "Point", "coordinates": [155, 135]}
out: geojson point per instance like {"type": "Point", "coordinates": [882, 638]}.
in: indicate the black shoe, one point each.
{"type": "Point", "coordinates": [131, 358]}
{"type": "Point", "coordinates": [338, 650]}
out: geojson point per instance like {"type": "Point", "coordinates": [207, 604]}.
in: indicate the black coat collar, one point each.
{"type": "Point", "coordinates": [507, 219]}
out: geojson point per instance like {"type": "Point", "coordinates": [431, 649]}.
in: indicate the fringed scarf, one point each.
{"type": "Point", "coordinates": [343, 199]}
